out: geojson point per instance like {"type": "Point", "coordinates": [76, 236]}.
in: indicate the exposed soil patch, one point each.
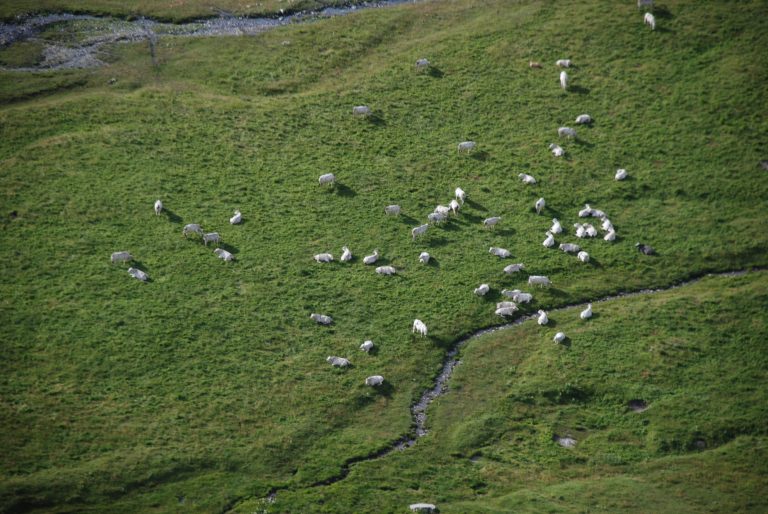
{"type": "Point", "coordinates": [637, 405]}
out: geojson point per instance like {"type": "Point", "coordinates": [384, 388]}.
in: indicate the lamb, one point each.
{"type": "Point", "coordinates": [506, 311]}
{"type": "Point", "coordinates": [491, 222]}
{"type": "Point", "coordinates": [563, 63]}
{"type": "Point", "coordinates": [420, 327]}
{"type": "Point", "coordinates": [424, 258]}
{"type": "Point", "coordinates": [500, 252]}
{"type": "Point", "coordinates": [418, 231]}
{"type": "Point", "coordinates": [321, 319]}
{"type": "Point", "coordinates": [367, 346]}
{"type": "Point", "coordinates": [392, 210]}
{"type": "Point", "coordinates": [517, 295]}
{"type": "Point", "coordinates": [158, 207]}
{"type": "Point", "coordinates": [586, 313]}
{"type": "Point", "coordinates": [645, 249]}
{"type": "Point", "coordinates": [583, 119]}
{"type": "Point", "coordinates": [514, 268]}
{"type": "Point", "coordinates": [621, 174]}
{"type": "Point", "coordinates": [223, 254]}
{"type": "Point", "coordinates": [566, 132]}
{"type": "Point", "coordinates": [324, 257]}
{"type": "Point", "coordinates": [121, 257]}
{"type": "Point", "coordinates": [570, 248]}
{"type": "Point", "coordinates": [371, 259]}
{"type": "Point", "coordinates": [559, 337]}
{"type": "Point", "coordinates": [422, 64]}
{"type": "Point", "coordinates": [564, 80]}
{"type": "Point", "coordinates": [138, 274]}
{"type": "Point", "coordinates": [361, 110]}
{"type": "Point", "coordinates": [549, 242]}
{"type": "Point", "coordinates": [346, 255]}
{"type": "Point", "coordinates": [461, 195]}
{"type": "Point", "coordinates": [482, 289]}
{"type": "Point", "coordinates": [557, 228]}
{"type": "Point", "coordinates": [386, 270]}
{"type": "Point", "coordinates": [211, 237]}
{"type": "Point", "coordinates": [539, 280]}
{"type": "Point", "coordinates": [375, 380]}
{"type": "Point", "coordinates": [237, 218]}
{"type": "Point", "coordinates": [192, 228]}
{"type": "Point", "coordinates": [557, 151]}
{"type": "Point", "coordinates": [650, 19]}
{"type": "Point", "coordinates": [337, 362]}
{"type": "Point", "coordinates": [454, 206]}
{"type": "Point", "coordinates": [542, 319]}
{"type": "Point", "coordinates": [583, 256]}
{"type": "Point", "coordinates": [527, 179]}
{"type": "Point", "coordinates": [539, 205]}
{"type": "Point", "coordinates": [466, 146]}
{"type": "Point", "coordinates": [328, 178]}
{"type": "Point", "coordinates": [610, 236]}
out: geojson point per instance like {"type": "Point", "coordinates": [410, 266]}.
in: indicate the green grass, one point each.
{"type": "Point", "coordinates": [208, 385]}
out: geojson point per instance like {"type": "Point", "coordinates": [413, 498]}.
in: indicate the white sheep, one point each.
{"type": "Point", "coordinates": [583, 256]}
{"type": "Point", "coordinates": [621, 174]}
{"type": "Point", "coordinates": [491, 222]}
{"type": "Point", "coordinates": [361, 110]}
{"type": "Point", "coordinates": [321, 319]}
{"type": "Point", "coordinates": [392, 210]}
{"type": "Point", "coordinates": [436, 217]}
{"type": "Point", "coordinates": [138, 274]}
{"type": "Point", "coordinates": [422, 64]}
{"type": "Point", "coordinates": [586, 313]}
{"type": "Point", "coordinates": [371, 259]}
{"type": "Point", "coordinates": [563, 63]}
{"type": "Point", "coordinates": [418, 231]}
{"type": "Point", "coordinates": [644, 3]}
{"type": "Point", "coordinates": [424, 258]}
{"type": "Point", "coordinates": [506, 305]}
{"type": "Point", "coordinates": [586, 212]}
{"type": "Point", "coordinates": [367, 346]}
{"type": "Point", "coordinates": [549, 242]}
{"type": "Point", "coordinates": [386, 270]}
{"type": "Point", "coordinates": [442, 209]}
{"type": "Point", "coordinates": [346, 255]}
{"type": "Point", "coordinates": [583, 119]}
{"type": "Point", "coordinates": [223, 254]}
{"type": "Point", "coordinates": [426, 508]}
{"type": "Point", "coordinates": [564, 80]}
{"type": "Point", "coordinates": [121, 257]}
{"type": "Point", "coordinates": [580, 232]}
{"type": "Point", "coordinates": [527, 179]}
{"type": "Point", "coordinates": [324, 257]}
{"type": "Point", "coordinates": [506, 311]}
{"type": "Point", "coordinates": [570, 248]}
{"type": "Point", "coordinates": [482, 289]}
{"type": "Point", "coordinates": [375, 380]}
{"type": "Point", "coordinates": [158, 207]}
{"type": "Point", "coordinates": [606, 225]}
{"type": "Point", "coordinates": [461, 195]}
{"type": "Point", "coordinates": [610, 236]}
{"type": "Point", "coordinates": [517, 295]}
{"type": "Point", "coordinates": [338, 362]}
{"type": "Point", "coordinates": [589, 230]}
{"type": "Point", "coordinates": [237, 218]}
{"type": "Point", "coordinates": [466, 146]}
{"type": "Point", "coordinates": [650, 19]}
{"type": "Point", "coordinates": [557, 228]}
{"type": "Point", "coordinates": [211, 237]}
{"type": "Point", "coordinates": [539, 205]}
{"type": "Point", "coordinates": [566, 132]}
{"type": "Point", "coordinates": [500, 252]}
{"type": "Point", "coordinates": [559, 337]}
{"type": "Point", "coordinates": [420, 327]}
{"type": "Point", "coordinates": [514, 268]}
{"type": "Point", "coordinates": [557, 151]}
{"type": "Point", "coordinates": [542, 319]}
{"type": "Point", "coordinates": [192, 228]}
{"type": "Point", "coordinates": [454, 206]}
{"type": "Point", "coordinates": [327, 178]}
{"type": "Point", "coordinates": [539, 280]}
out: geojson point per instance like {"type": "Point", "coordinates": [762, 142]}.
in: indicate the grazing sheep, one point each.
{"type": "Point", "coordinates": [466, 146]}
{"type": "Point", "coordinates": [533, 64]}
{"type": "Point", "coordinates": [566, 132]}
{"type": "Point", "coordinates": [324, 257]}
{"type": "Point", "coordinates": [549, 242]}
{"type": "Point", "coordinates": [482, 289]}
{"type": "Point", "coordinates": [321, 319]}
{"type": "Point", "coordinates": [454, 206]}
{"type": "Point", "coordinates": [586, 313]}
{"type": "Point", "coordinates": [237, 218]}
{"type": "Point", "coordinates": [650, 19]}
{"type": "Point", "coordinates": [461, 195]}
{"type": "Point", "coordinates": [442, 209]}
{"type": "Point", "coordinates": [518, 296]}
{"type": "Point", "coordinates": [436, 217]}
{"type": "Point", "coordinates": [328, 178]}
{"type": "Point", "coordinates": [539, 280]}
{"type": "Point", "coordinates": [367, 346]}
{"type": "Point", "coordinates": [138, 274]}
{"type": "Point", "coordinates": [192, 228]}
{"type": "Point", "coordinates": [539, 205]}
{"type": "Point", "coordinates": [392, 210]}
{"type": "Point", "coordinates": [211, 237]}
{"type": "Point", "coordinates": [514, 268]}
{"type": "Point", "coordinates": [583, 119]}
{"type": "Point", "coordinates": [361, 110]}
{"type": "Point", "coordinates": [506, 311]}
{"type": "Point", "coordinates": [621, 174]}
{"type": "Point", "coordinates": [386, 270]}
{"type": "Point", "coordinates": [583, 256]}
{"type": "Point", "coordinates": [158, 207]}
{"type": "Point", "coordinates": [564, 80]}
{"type": "Point", "coordinates": [346, 255]}
{"type": "Point", "coordinates": [500, 252]}
{"type": "Point", "coordinates": [418, 231]}
{"type": "Point", "coordinates": [426, 508]}
{"type": "Point", "coordinates": [375, 380]}
{"type": "Point", "coordinates": [557, 151]}
{"type": "Point", "coordinates": [424, 258]}
{"type": "Point", "coordinates": [606, 224]}
{"type": "Point", "coordinates": [645, 249]}
{"type": "Point", "coordinates": [223, 254]}
{"type": "Point", "coordinates": [557, 228]}
{"type": "Point", "coordinates": [491, 222]}
{"type": "Point", "coordinates": [337, 362]}
{"type": "Point", "coordinates": [570, 248]}
{"type": "Point", "coordinates": [371, 259]}
{"type": "Point", "coordinates": [563, 63]}
{"type": "Point", "coordinates": [422, 64]}
{"type": "Point", "coordinates": [586, 212]}
{"type": "Point", "coordinates": [559, 337]}
{"type": "Point", "coordinates": [542, 319]}
{"type": "Point", "coordinates": [610, 236]}
{"type": "Point", "coordinates": [121, 257]}
{"type": "Point", "coordinates": [527, 179]}
{"type": "Point", "coordinates": [506, 305]}
{"type": "Point", "coordinates": [420, 327]}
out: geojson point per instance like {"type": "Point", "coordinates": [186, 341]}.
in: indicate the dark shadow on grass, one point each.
{"type": "Point", "coordinates": [662, 12]}
{"type": "Point", "coordinates": [475, 205]}
{"type": "Point", "coordinates": [435, 72]}
{"type": "Point", "coordinates": [557, 293]}
{"type": "Point", "coordinates": [228, 247]}
{"type": "Point", "coordinates": [504, 232]}
{"type": "Point", "coordinates": [594, 262]}
{"type": "Point", "coordinates": [138, 265]}
{"type": "Point", "coordinates": [481, 155]}
{"type": "Point", "coordinates": [579, 90]}
{"type": "Point", "coordinates": [172, 216]}
{"type": "Point", "coordinates": [566, 342]}
{"type": "Point", "coordinates": [472, 218]}
{"type": "Point", "coordinates": [377, 120]}
{"type": "Point", "coordinates": [408, 220]}
{"type": "Point", "coordinates": [386, 389]}
{"type": "Point", "coordinates": [584, 143]}
{"type": "Point", "coordinates": [437, 242]}
{"type": "Point", "coordinates": [551, 323]}
{"type": "Point", "coordinates": [433, 262]}
{"type": "Point", "coordinates": [343, 190]}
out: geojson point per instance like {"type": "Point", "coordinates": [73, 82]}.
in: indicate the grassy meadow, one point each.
{"type": "Point", "coordinates": [207, 387]}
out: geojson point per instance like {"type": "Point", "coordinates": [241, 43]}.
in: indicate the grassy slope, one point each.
{"type": "Point", "coordinates": [209, 383]}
